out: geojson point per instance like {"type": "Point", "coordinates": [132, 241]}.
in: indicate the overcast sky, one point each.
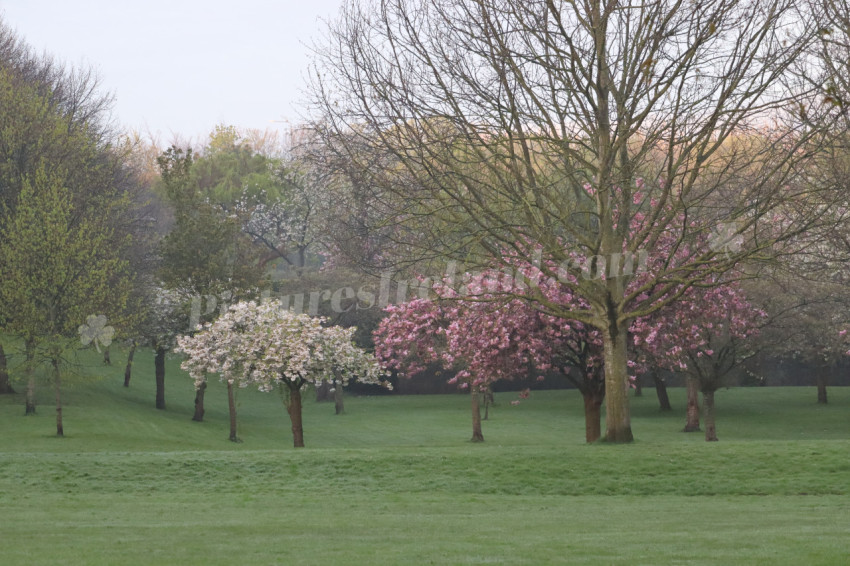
{"type": "Point", "coordinates": [183, 66]}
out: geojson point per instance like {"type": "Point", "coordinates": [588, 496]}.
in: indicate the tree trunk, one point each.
{"type": "Point", "coordinates": [57, 384]}
{"type": "Point", "coordinates": [231, 405]}
{"type": "Point", "coordinates": [302, 260]}
{"type": "Point", "coordinates": [489, 400]}
{"type": "Point", "coordinates": [323, 392]}
{"type": "Point", "coordinates": [339, 404]}
{"type": "Point", "coordinates": [692, 418]}
{"type": "Point", "coordinates": [708, 406]}
{"type": "Point", "coordinates": [159, 367]}
{"type": "Point", "coordinates": [638, 387]}
{"type": "Point", "coordinates": [592, 416]}
{"type": "Point", "coordinates": [822, 382]}
{"type": "Point", "coordinates": [5, 383]}
{"type": "Point", "coordinates": [661, 391]}
{"type": "Point", "coordinates": [477, 435]}
{"type": "Point", "coordinates": [106, 359]}
{"type": "Point", "coordinates": [129, 369]}
{"type": "Point", "coordinates": [293, 407]}
{"type": "Point", "coordinates": [30, 398]}
{"type": "Point", "coordinates": [617, 415]}
{"type": "Point", "coordinates": [199, 403]}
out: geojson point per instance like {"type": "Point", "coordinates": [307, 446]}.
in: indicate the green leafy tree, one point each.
{"type": "Point", "coordinates": [205, 254]}
{"type": "Point", "coordinates": [60, 266]}
{"type": "Point", "coordinates": [56, 119]}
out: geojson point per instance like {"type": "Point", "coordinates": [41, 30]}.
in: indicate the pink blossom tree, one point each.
{"type": "Point", "coordinates": [270, 347]}
{"type": "Point", "coordinates": [474, 339]}
{"type": "Point", "coordinates": [703, 335]}
{"type": "Point", "coordinates": [484, 337]}
{"type": "Point", "coordinates": [579, 359]}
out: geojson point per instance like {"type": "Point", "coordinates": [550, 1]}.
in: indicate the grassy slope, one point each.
{"type": "Point", "coordinates": [394, 481]}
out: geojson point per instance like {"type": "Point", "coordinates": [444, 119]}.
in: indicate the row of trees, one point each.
{"type": "Point", "coordinates": [619, 161]}
{"type": "Point", "coordinates": [71, 211]}
{"type": "Point", "coordinates": [472, 331]}
{"type": "Point", "coordinates": [584, 133]}
{"type": "Point", "coordinates": [106, 234]}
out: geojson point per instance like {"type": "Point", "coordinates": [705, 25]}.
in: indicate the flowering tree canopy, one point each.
{"type": "Point", "coordinates": [268, 346]}
{"type": "Point", "coordinates": [484, 337]}
{"type": "Point", "coordinates": [697, 326]}
{"type": "Point", "coordinates": [703, 334]}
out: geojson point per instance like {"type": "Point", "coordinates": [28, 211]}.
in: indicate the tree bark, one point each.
{"type": "Point", "coordinates": [128, 370]}
{"type": "Point", "coordinates": [339, 404]}
{"type": "Point", "coordinates": [617, 415]}
{"type": "Point", "coordinates": [708, 405]}
{"type": "Point", "coordinates": [159, 367]}
{"type": "Point", "coordinates": [592, 416]}
{"type": "Point", "coordinates": [692, 418]}
{"type": "Point", "coordinates": [57, 384]}
{"type": "Point", "coordinates": [30, 398]}
{"type": "Point", "coordinates": [822, 382]}
{"type": "Point", "coordinates": [5, 383]}
{"type": "Point", "coordinates": [231, 405]}
{"type": "Point", "coordinates": [293, 407]}
{"type": "Point", "coordinates": [199, 403]}
{"type": "Point", "coordinates": [661, 391]}
{"type": "Point", "coordinates": [638, 387]}
{"type": "Point", "coordinates": [477, 435]}
{"type": "Point", "coordinates": [106, 359]}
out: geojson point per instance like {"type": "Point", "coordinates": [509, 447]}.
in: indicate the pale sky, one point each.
{"type": "Point", "coordinates": [183, 66]}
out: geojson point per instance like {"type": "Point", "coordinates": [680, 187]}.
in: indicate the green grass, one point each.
{"type": "Point", "coordinates": [394, 481]}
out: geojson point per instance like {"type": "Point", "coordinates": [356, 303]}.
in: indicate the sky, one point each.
{"type": "Point", "coordinates": [180, 67]}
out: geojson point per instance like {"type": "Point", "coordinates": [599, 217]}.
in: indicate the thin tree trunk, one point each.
{"type": "Point", "coordinates": [30, 397]}
{"type": "Point", "coordinates": [692, 418]}
{"type": "Point", "coordinates": [708, 405]}
{"type": "Point", "coordinates": [477, 435]}
{"type": "Point", "coordinates": [159, 367]}
{"type": "Point", "coordinates": [592, 416]}
{"type": "Point", "coordinates": [822, 382]}
{"type": "Point", "coordinates": [199, 403]}
{"type": "Point", "coordinates": [661, 391]}
{"type": "Point", "coordinates": [339, 404]}
{"type": "Point", "coordinates": [617, 414]}
{"type": "Point", "coordinates": [5, 383]}
{"type": "Point", "coordinates": [293, 407]}
{"type": "Point", "coordinates": [638, 387]}
{"type": "Point", "coordinates": [302, 260]}
{"type": "Point", "coordinates": [128, 370]}
{"type": "Point", "coordinates": [30, 400]}
{"type": "Point", "coordinates": [106, 359]}
{"type": "Point", "coordinates": [57, 384]}
{"type": "Point", "coordinates": [231, 405]}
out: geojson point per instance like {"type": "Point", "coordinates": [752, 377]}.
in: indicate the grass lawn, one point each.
{"type": "Point", "coordinates": [394, 480]}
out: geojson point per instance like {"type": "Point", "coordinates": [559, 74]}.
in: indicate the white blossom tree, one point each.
{"type": "Point", "coordinates": [270, 347]}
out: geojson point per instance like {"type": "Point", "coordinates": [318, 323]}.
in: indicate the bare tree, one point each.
{"type": "Point", "coordinates": [555, 130]}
